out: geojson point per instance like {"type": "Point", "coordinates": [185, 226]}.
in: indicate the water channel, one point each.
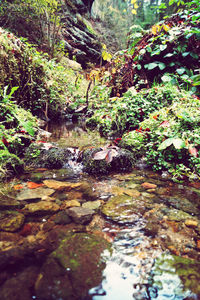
{"type": "Point", "coordinates": [141, 242]}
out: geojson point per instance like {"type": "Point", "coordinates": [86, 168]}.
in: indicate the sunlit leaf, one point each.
{"type": "Point", "coordinates": [178, 143]}
{"type": "Point", "coordinates": [166, 27]}
{"type": "Point", "coordinates": [180, 71]}
{"type": "Point", "coordinates": [165, 144]}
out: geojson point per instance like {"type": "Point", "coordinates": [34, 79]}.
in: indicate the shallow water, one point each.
{"type": "Point", "coordinates": [154, 236]}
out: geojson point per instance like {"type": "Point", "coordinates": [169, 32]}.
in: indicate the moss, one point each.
{"type": "Point", "coordinates": [10, 164]}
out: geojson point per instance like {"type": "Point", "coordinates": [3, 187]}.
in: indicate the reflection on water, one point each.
{"type": "Point", "coordinates": [74, 135]}
{"type": "Point", "coordinates": [136, 271]}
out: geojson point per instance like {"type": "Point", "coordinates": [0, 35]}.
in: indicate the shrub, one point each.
{"type": "Point", "coordinates": [170, 139]}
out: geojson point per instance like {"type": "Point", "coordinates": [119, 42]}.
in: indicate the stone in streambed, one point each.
{"type": "Point", "coordinates": [124, 209]}
{"type": "Point", "coordinates": [32, 194]}
{"type": "Point", "coordinates": [74, 268]}
{"type": "Point", "coordinates": [191, 223]}
{"type": "Point", "coordinates": [11, 221]}
{"type": "Point", "coordinates": [62, 218]}
{"type": "Point", "coordinates": [92, 204]}
{"type": "Point", "coordinates": [80, 215]}
{"type": "Point", "coordinates": [42, 207]}
{"type": "Point", "coordinates": [147, 185]}
{"type": "Point", "coordinates": [57, 185]}
{"type": "Point", "coordinates": [71, 203]}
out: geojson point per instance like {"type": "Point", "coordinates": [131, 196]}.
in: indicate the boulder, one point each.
{"type": "Point", "coordinates": [74, 268]}
{"type": "Point", "coordinates": [101, 161]}
{"type": "Point", "coordinates": [46, 155]}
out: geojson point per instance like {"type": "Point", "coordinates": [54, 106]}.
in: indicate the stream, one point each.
{"type": "Point", "coordinates": [66, 235]}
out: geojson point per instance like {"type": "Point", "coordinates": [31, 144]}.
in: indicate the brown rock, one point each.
{"type": "Point", "coordinates": [60, 185]}
{"type": "Point", "coordinates": [191, 223]}
{"type": "Point", "coordinates": [71, 203]}
{"type": "Point", "coordinates": [41, 207]}
{"type": "Point", "coordinates": [147, 185]}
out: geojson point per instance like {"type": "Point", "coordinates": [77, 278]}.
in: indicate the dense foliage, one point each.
{"type": "Point", "coordinates": [169, 139]}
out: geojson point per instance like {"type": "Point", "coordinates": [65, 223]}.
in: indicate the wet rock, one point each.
{"type": "Point", "coordinates": [20, 286]}
{"type": "Point", "coordinates": [147, 185]}
{"type": "Point", "coordinates": [30, 194]}
{"type": "Point", "coordinates": [71, 203]}
{"type": "Point", "coordinates": [191, 223]}
{"type": "Point", "coordinates": [123, 191]}
{"type": "Point", "coordinates": [42, 207]}
{"type": "Point", "coordinates": [92, 204]}
{"type": "Point", "coordinates": [124, 209]}
{"type": "Point", "coordinates": [60, 185]}
{"type": "Point", "coordinates": [151, 228]}
{"type": "Point", "coordinates": [11, 221]}
{"type": "Point", "coordinates": [6, 202]}
{"type": "Point", "coordinates": [121, 162]}
{"type": "Point", "coordinates": [62, 218]}
{"type": "Point", "coordinates": [38, 156]}
{"type": "Point", "coordinates": [71, 270]}
{"type": "Point", "coordinates": [183, 272]}
{"type": "Point", "coordinates": [176, 215]}
{"type": "Point", "coordinates": [80, 215]}
{"type": "Point", "coordinates": [183, 204]}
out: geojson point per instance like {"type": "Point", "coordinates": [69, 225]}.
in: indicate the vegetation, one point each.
{"type": "Point", "coordinates": [146, 94]}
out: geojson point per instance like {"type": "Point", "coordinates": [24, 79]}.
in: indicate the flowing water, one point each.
{"type": "Point", "coordinates": [152, 233]}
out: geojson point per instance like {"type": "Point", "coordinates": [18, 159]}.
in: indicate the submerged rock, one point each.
{"type": "Point", "coordinates": [20, 286]}
{"type": "Point", "coordinates": [177, 276]}
{"type": "Point", "coordinates": [124, 209]}
{"type": "Point", "coordinates": [11, 220]}
{"type": "Point", "coordinates": [71, 270]}
{"type": "Point", "coordinates": [112, 159]}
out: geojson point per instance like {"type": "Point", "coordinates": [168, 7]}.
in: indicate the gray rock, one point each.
{"type": "Point", "coordinates": [80, 215]}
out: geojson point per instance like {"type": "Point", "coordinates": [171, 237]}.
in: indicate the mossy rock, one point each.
{"type": "Point", "coordinates": [179, 275]}
{"type": "Point", "coordinates": [54, 158]}
{"type": "Point", "coordinates": [11, 221]}
{"type": "Point", "coordinates": [10, 164]}
{"type": "Point", "coordinates": [122, 162]}
{"type": "Point", "coordinates": [74, 268]}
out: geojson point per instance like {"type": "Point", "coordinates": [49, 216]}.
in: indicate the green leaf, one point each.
{"type": "Point", "coordinates": [166, 144]}
{"type": "Point", "coordinates": [180, 71]}
{"type": "Point", "coordinates": [163, 47]}
{"type": "Point", "coordinates": [139, 67]}
{"type": "Point", "coordinates": [184, 54]}
{"type": "Point", "coordinates": [166, 78]}
{"type": "Point", "coordinates": [178, 143]}
{"type": "Point", "coordinates": [162, 66]}
{"type": "Point", "coordinates": [169, 54]}
{"type": "Point", "coordinates": [172, 64]}
{"type": "Point", "coordinates": [151, 66]}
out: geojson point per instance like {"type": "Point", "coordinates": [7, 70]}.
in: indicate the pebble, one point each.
{"type": "Point", "coordinates": [147, 185]}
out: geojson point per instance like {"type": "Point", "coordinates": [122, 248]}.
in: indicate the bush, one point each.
{"type": "Point", "coordinates": [170, 139]}
{"type": "Point", "coordinates": [125, 113]}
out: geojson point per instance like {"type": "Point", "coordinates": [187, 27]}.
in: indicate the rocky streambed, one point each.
{"type": "Point", "coordinates": [68, 235]}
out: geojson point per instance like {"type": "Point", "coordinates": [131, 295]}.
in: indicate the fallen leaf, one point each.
{"type": "Point", "coordinates": [34, 185]}
{"type": "Point", "coordinates": [18, 187]}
